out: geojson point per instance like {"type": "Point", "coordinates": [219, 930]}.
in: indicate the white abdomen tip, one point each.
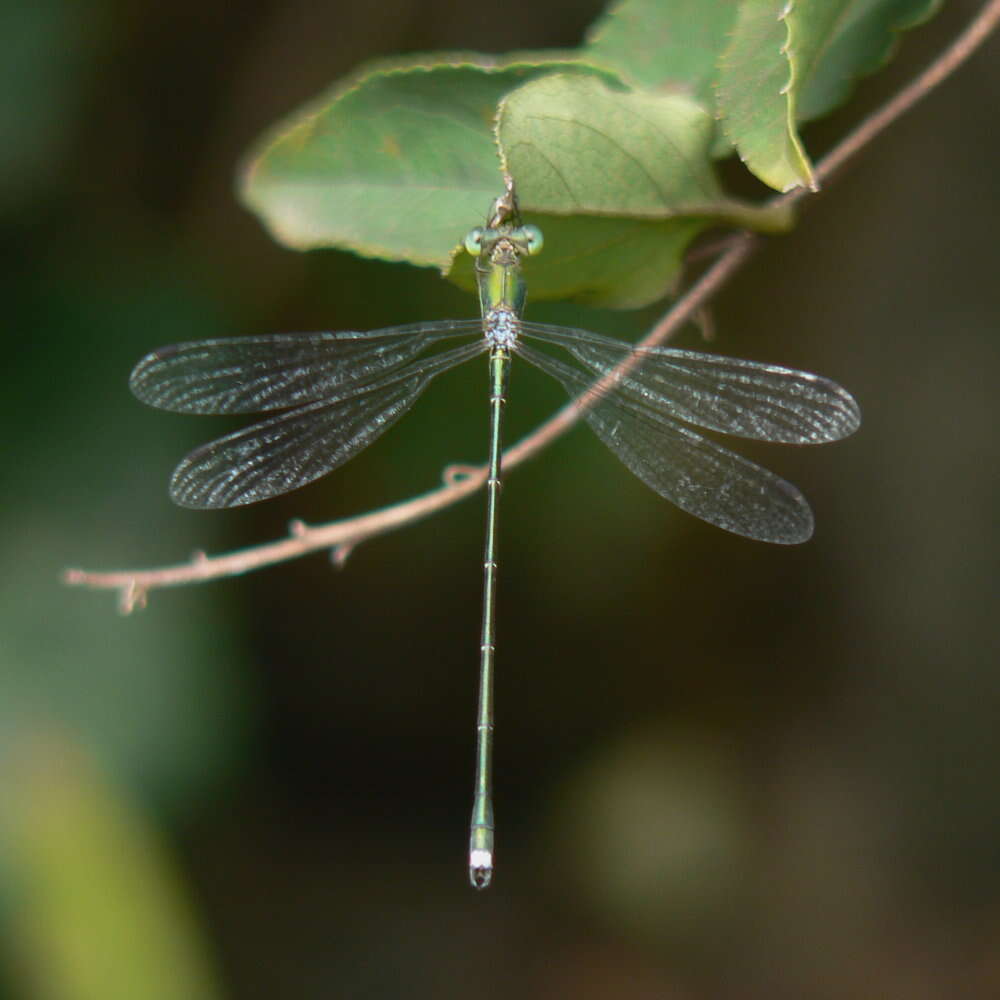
{"type": "Point", "coordinates": [480, 868]}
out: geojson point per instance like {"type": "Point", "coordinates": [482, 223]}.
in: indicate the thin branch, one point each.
{"type": "Point", "coordinates": [341, 537]}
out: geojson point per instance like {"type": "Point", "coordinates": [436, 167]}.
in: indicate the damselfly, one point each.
{"type": "Point", "coordinates": [334, 393]}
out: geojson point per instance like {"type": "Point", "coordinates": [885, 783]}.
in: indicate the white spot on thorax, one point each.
{"type": "Point", "coordinates": [500, 328]}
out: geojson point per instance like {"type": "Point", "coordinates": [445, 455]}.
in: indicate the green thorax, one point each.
{"type": "Point", "coordinates": [498, 265]}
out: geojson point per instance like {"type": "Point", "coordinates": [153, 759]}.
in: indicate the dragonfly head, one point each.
{"type": "Point", "coordinates": [504, 245]}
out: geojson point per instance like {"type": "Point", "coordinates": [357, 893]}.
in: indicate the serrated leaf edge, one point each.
{"type": "Point", "coordinates": [790, 93]}
{"type": "Point", "coordinates": [803, 167]}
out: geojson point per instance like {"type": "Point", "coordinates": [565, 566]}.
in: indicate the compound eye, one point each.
{"type": "Point", "coordinates": [533, 239]}
{"type": "Point", "coordinates": [474, 242]}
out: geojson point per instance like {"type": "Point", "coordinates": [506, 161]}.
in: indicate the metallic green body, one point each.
{"type": "Point", "coordinates": [501, 297]}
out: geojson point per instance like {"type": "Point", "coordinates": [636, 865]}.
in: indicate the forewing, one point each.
{"type": "Point", "coordinates": [252, 374]}
{"type": "Point", "coordinates": [294, 448]}
{"type": "Point", "coordinates": [745, 398]}
{"type": "Point", "coordinates": [696, 474]}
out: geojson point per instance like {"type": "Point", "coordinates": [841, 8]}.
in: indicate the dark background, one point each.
{"type": "Point", "coordinates": [723, 769]}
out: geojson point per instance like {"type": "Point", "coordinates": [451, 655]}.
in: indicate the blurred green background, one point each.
{"type": "Point", "coordinates": [723, 769]}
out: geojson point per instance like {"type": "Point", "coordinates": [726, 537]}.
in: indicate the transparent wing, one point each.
{"type": "Point", "coordinates": [746, 398]}
{"type": "Point", "coordinates": [294, 448]}
{"type": "Point", "coordinates": [249, 374]}
{"type": "Point", "coordinates": [696, 474]}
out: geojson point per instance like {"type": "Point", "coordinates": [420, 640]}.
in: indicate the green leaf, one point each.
{"type": "Point", "coordinates": [576, 147]}
{"type": "Point", "coordinates": [729, 56]}
{"type": "Point", "coordinates": [663, 44]}
{"type": "Point", "coordinates": [398, 163]}
{"type": "Point", "coordinates": [756, 93]}
{"type": "Point", "coordinates": [841, 40]}
{"type": "Point", "coordinates": [792, 60]}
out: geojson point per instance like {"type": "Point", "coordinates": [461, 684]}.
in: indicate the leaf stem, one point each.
{"type": "Point", "coordinates": [341, 537]}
